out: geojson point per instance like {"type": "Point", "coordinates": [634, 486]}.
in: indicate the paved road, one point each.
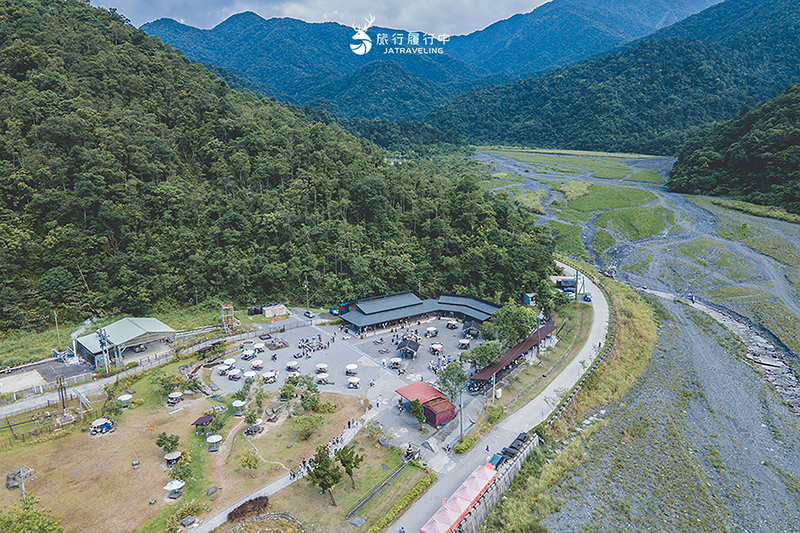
{"type": "Point", "coordinates": [454, 469]}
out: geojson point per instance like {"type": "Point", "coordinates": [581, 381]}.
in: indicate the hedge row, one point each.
{"type": "Point", "coordinates": [404, 502]}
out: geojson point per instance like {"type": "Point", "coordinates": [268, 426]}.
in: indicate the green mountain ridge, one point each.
{"type": "Point", "coordinates": [311, 63]}
{"type": "Point", "coordinates": [649, 96]}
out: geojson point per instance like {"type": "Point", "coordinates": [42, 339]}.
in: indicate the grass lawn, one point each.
{"type": "Point", "coordinates": [500, 179]}
{"type": "Point", "coordinates": [603, 164]}
{"type": "Point", "coordinates": [603, 240]}
{"type": "Point", "coordinates": [568, 239]}
{"type": "Point", "coordinates": [638, 223]}
{"type": "Point", "coordinates": [532, 200]}
{"type": "Point", "coordinates": [602, 197]}
{"type": "Point", "coordinates": [649, 176]}
{"type": "Point", "coordinates": [304, 501]}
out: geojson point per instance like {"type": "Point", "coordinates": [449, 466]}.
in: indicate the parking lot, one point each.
{"type": "Point", "coordinates": [372, 356]}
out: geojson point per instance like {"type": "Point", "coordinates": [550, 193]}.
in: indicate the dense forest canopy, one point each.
{"type": "Point", "coordinates": [131, 177]}
{"type": "Point", "coordinates": [648, 97]}
{"type": "Point", "coordinates": [754, 157]}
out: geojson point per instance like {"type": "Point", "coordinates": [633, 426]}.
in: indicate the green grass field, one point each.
{"type": "Point", "coordinates": [602, 197]}
{"type": "Point", "coordinates": [532, 200]}
{"type": "Point", "coordinates": [568, 239]}
{"type": "Point", "coordinates": [604, 165]}
{"type": "Point", "coordinates": [638, 223]}
{"type": "Point", "coordinates": [603, 240]}
{"type": "Point", "coordinates": [500, 179]}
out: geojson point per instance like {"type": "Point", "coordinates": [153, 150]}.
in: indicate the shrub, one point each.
{"type": "Point", "coordinates": [496, 413]}
{"type": "Point", "coordinates": [462, 447]}
{"type": "Point", "coordinates": [189, 508]}
{"type": "Point", "coordinates": [326, 407]}
{"type": "Point", "coordinates": [404, 502]}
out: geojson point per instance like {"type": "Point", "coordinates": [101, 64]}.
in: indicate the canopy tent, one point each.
{"type": "Point", "coordinates": [175, 484]}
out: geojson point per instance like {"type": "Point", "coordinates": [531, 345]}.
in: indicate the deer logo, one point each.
{"type": "Point", "coordinates": [364, 43]}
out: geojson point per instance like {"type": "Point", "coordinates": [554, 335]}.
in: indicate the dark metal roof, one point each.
{"type": "Point", "coordinates": [203, 420]}
{"type": "Point", "coordinates": [405, 305]}
{"type": "Point", "coordinates": [390, 302]}
{"type": "Point", "coordinates": [409, 345]}
{"type": "Point", "coordinates": [512, 354]}
{"type": "Point", "coordinates": [359, 319]}
{"type": "Point", "coordinates": [476, 304]}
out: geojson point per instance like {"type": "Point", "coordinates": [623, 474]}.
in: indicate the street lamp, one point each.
{"type": "Point", "coordinates": [306, 287]}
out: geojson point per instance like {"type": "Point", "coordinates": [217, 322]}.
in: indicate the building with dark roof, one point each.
{"type": "Point", "coordinates": [406, 306]}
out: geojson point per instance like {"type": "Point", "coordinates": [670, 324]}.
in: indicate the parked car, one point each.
{"type": "Point", "coordinates": [334, 310]}
{"type": "Point", "coordinates": [310, 314]}
{"type": "Point", "coordinates": [587, 297]}
{"type": "Point", "coordinates": [253, 430]}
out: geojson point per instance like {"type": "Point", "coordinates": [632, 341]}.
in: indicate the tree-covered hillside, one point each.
{"type": "Point", "coordinates": [131, 177]}
{"type": "Point", "coordinates": [649, 97]}
{"type": "Point", "coordinates": [561, 32]}
{"type": "Point", "coordinates": [754, 157]}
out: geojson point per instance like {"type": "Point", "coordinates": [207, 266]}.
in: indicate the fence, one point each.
{"type": "Point", "coordinates": [489, 499]}
{"type": "Point", "coordinates": [607, 349]}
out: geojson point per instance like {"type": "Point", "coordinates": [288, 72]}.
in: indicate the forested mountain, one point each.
{"type": "Point", "coordinates": [561, 32]}
{"type": "Point", "coordinates": [131, 177]}
{"type": "Point", "coordinates": [650, 96]}
{"type": "Point", "coordinates": [754, 157]}
{"type": "Point", "coordinates": [312, 64]}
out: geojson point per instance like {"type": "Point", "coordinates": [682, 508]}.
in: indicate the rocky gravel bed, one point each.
{"type": "Point", "coordinates": [701, 444]}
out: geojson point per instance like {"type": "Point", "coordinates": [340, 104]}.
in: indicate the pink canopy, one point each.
{"type": "Point", "coordinates": [466, 493]}
{"type": "Point", "coordinates": [485, 473]}
{"type": "Point", "coordinates": [447, 516]}
{"type": "Point", "coordinates": [458, 504]}
{"type": "Point", "coordinates": [434, 526]}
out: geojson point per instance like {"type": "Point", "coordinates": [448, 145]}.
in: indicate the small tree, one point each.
{"type": "Point", "coordinates": [323, 472]}
{"type": "Point", "coordinates": [250, 461]}
{"type": "Point", "coordinates": [168, 442]}
{"type": "Point", "coordinates": [25, 517]}
{"type": "Point", "coordinates": [306, 425]}
{"type": "Point", "coordinates": [288, 391]}
{"type": "Point", "coordinates": [452, 379]}
{"type": "Point", "coordinates": [250, 417]}
{"type": "Point", "coordinates": [514, 323]}
{"type": "Point", "coordinates": [216, 424]}
{"type": "Point", "coordinates": [483, 354]}
{"type": "Point", "coordinates": [350, 460]}
{"type": "Point", "coordinates": [416, 410]}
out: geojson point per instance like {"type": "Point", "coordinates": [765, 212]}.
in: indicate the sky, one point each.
{"type": "Point", "coordinates": [451, 17]}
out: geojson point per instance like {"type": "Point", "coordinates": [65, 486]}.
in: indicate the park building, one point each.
{"type": "Point", "coordinates": [111, 344]}
{"type": "Point", "coordinates": [405, 308]}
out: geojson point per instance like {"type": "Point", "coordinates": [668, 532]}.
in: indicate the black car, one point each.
{"type": "Point", "coordinates": [253, 430]}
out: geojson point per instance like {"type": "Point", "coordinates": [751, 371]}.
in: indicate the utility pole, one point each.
{"type": "Point", "coordinates": [306, 286]}
{"type": "Point", "coordinates": [57, 332]}
{"type": "Point", "coordinates": [196, 307]}
{"type": "Point", "coordinates": [461, 412]}
{"type": "Point", "coordinates": [25, 474]}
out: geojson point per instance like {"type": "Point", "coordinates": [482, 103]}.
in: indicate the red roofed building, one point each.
{"type": "Point", "coordinates": [437, 408]}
